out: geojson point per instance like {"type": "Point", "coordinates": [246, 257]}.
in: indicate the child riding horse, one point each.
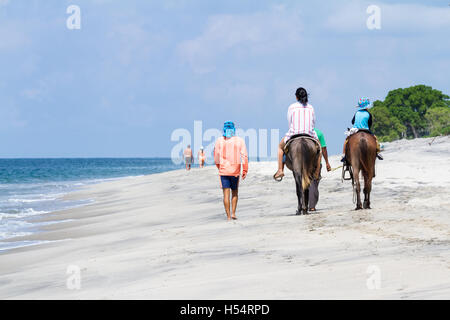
{"type": "Point", "coordinates": [361, 120]}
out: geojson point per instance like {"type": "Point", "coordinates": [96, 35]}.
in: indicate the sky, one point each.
{"type": "Point", "coordinates": [138, 70]}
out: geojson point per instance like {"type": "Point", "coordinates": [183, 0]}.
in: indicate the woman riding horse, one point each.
{"type": "Point", "coordinates": [303, 155]}
{"type": "Point", "coordinates": [301, 120]}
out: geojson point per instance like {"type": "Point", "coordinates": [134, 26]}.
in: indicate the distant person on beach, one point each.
{"type": "Point", "coordinates": [201, 157]}
{"type": "Point", "coordinates": [314, 187]}
{"type": "Point", "coordinates": [229, 153]}
{"type": "Point", "coordinates": [301, 119]}
{"type": "Point", "coordinates": [188, 157]}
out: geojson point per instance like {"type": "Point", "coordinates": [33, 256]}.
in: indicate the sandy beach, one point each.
{"type": "Point", "coordinates": [165, 236]}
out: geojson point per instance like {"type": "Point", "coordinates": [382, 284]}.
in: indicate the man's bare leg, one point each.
{"type": "Point", "coordinates": [226, 202]}
{"type": "Point", "coordinates": [378, 148]}
{"type": "Point", "coordinates": [280, 173]}
{"type": "Point", "coordinates": [234, 201]}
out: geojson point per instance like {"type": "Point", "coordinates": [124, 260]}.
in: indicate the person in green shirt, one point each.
{"type": "Point", "coordinates": [314, 187]}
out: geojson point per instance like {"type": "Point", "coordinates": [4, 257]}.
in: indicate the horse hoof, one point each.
{"type": "Point", "coordinates": [298, 213]}
{"type": "Point", "coordinates": [358, 208]}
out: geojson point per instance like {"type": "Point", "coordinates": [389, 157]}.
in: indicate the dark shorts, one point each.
{"type": "Point", "coordinates": [229, 182]}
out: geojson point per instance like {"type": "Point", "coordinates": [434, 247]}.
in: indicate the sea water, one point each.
{"type": "Point", "coordinates": [32, 187]}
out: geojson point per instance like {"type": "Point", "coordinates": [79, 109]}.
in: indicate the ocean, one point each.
{"type": "Point", "coordinates": [31, 187]}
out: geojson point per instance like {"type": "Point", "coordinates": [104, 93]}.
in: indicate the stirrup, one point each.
{"type": "Point", "coordinates": [279, 178]}
{"type": "Point", "coordinates": [346, 168]}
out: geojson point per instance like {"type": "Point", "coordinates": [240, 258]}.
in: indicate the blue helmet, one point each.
{"type": "Point", "coordinates": [228, 129]}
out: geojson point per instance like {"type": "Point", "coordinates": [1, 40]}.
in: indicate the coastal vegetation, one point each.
{"type": "Point", "coordinates": [417, 111]}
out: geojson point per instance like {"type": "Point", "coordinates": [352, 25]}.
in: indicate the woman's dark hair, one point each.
{"type": "Point", "coordinates": [302, 96]}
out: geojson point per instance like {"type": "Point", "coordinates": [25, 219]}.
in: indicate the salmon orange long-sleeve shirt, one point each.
{"type": "Point", "coordinates": [229, 154]}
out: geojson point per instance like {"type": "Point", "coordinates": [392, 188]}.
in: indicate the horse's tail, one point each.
{"type": "Point", "coordinates": [306, 165]}
{"type": "Point", "coordinates": [364, 154]}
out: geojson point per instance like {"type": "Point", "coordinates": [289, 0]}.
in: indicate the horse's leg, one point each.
{"type": "Point", "coordinates": [367, 190]}
{"type": "Point", "coordinates": [358, 188]}
{"type": "Point", "coordinates": [305, 201]}
{"type": "Point", "coordinates": [298, 188]}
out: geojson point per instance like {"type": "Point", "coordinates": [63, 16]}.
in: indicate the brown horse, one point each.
{"type": "Point", "coordinates": [301, 158]}
{"type": "Point", "coordinates": [361, 152]}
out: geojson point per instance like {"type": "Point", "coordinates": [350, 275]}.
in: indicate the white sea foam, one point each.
{"type": "Point", "coordinates": [23, 199]}
{"type": "Point", "coordinates": [25, 213]}
{"type": "Point", "coordinates": [39, 198]}
{"type": "Point", "coordinates": [12, 234]}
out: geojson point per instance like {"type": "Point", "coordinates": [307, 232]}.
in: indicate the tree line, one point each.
{"type": "Point", "coordinates": [417, 111]}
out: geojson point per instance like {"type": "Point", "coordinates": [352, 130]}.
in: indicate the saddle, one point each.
{"type": "Point", "coordinates": [301, 136]}
{"type": "Point", "coordinates": [365, 130]}
{"type": "Point", "coordinates": [353, 131]}
{"type": "Point", "coordinates": [298, 136]}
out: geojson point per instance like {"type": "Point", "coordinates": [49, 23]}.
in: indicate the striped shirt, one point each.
{"type": "Point", "coordinates": [301, 120]}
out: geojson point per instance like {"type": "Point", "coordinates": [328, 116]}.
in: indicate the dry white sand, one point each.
{"type": "Point", "coordinates": [165, 236]}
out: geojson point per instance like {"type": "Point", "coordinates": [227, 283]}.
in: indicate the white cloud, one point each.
{"type": "Point", "coordinates": [33, 94]}
{"type": "Point", "coordinates": [246, 93]}
{"type": "Point", "coordinates": [132, 42]}
{"type": "Point", "coordinates": [244, 34]}
{"type": "Point", "coordinates": [12, 37]}
{"type": "Point", "coordinates": [320, 85]}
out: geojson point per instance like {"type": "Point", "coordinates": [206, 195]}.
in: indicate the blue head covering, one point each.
{"type": "Point", "coordinates": [363, 103]}
{"type": "Point", "coordinates": [228, 129]}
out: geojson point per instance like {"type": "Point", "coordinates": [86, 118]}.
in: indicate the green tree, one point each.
{"type": "Point", "coordinates": [387, 127]}
{"type": "Point", "coordinates": [439, 121]}
{"type": "Point", "coordinates": [403, 113]}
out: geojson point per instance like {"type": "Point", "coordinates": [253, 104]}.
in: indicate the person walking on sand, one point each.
{"type": "Point", "coordinates": [314, 187]}
{"type": "Point", "coordinates": [229, 154]}
{"type": "Point", "coordinates": [188, 157]}
{"type": "Point", "coordinates": [201, 157]}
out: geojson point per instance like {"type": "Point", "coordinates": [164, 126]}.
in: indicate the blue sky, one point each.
{"type": "Point", "coordinates": [137, 70]}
